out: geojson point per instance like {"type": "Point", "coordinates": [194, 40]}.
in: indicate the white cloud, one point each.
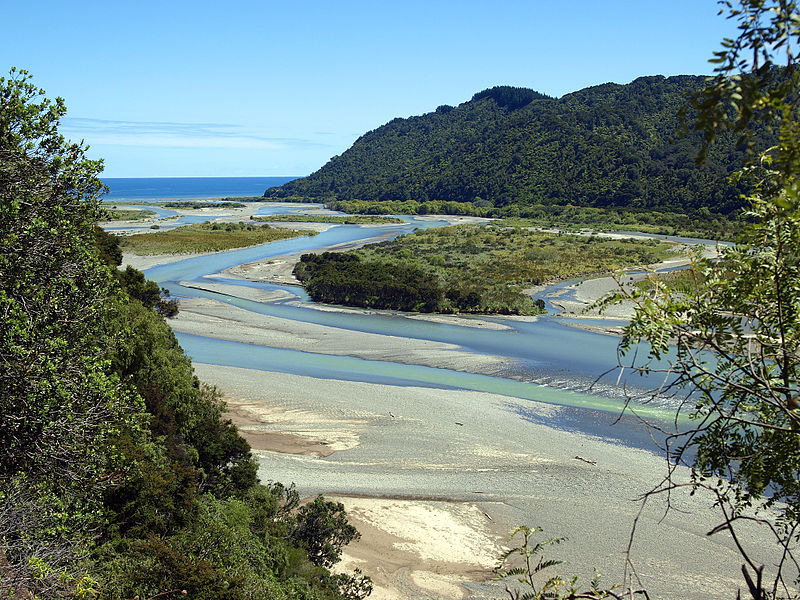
{"type": "Point", "coordinates": [174, 135]}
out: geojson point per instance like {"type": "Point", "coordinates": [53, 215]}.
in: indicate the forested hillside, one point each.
{"type": "Point", "coordinates": [120, 476]}
{"type": "Point", "coordinates": [605, 146]}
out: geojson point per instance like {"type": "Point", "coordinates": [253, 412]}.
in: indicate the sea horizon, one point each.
{"type": "Point", "coordinates": [190, 188]}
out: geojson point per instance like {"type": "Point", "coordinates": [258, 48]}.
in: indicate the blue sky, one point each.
{"type": "Point", "coordinates": [262, 88]}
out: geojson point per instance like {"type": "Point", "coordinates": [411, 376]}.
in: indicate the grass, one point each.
{"type": "Point", "coordinates": [719, 229]}
{"type": "Point", "coordinates": [128, 214]}
{"type": "Point", "coordinates": [514, 256]}
{"type": "Point", "coordinates": [205, 237]}
{"type": "Point", "coordinates": [487, 268]}
{"type": "Point", "coordinates": [338, 219]}
{"type": "Point", "coordinates": [189, 205]}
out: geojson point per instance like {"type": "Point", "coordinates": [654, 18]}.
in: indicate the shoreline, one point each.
{"type": "Point", "coordinates": [577, 303]}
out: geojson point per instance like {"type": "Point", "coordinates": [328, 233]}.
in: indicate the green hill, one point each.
{"type": "Point", "coordinates": [605, 146]}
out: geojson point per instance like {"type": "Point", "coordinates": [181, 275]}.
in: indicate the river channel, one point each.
{"type": "Point", "coordinates": [537, 437]}
{"type": "Point", "coordinates": [544, 359]}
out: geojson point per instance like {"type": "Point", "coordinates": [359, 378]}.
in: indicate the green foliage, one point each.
{"type": "Point", "coordinates": [147, 292]}
{"type": "Point", "coordinates": [343, 279]}
{"type": "Point", "coordinates": [205, 237]}
{"type": "Point", "coordinates": [509, 97]}
{"type": "Point", "coordinates": [534, 585]}
{"type": "Point", "coordinates": [321, 527]}
{"type": "Point", "coordinates": [465, 269]}
{"type": "Point", "coordinates": [59, 402]}
{"type": "Point", "coordinates": [735, 323]}
{"type": "Point", "coordinates": [186, 205]}
{"type": "Point", "coordinates": [118, 214]}
{"type": "Point", "coordinates": [608, 146]}
{"type": "Point", "coordinates": [119, 474]}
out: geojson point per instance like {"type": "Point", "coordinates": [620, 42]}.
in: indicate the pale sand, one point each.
{"type": "Point", "coordinates": [419, 547]}
{"type": "Point", "coordinates": [211, 318]}
{"type": "Point", "coordinates": [279, 270]}
{"type": "Point", "coordinates": [474, 321]}
{"type": "Point", "coordinates": [154, 260]}
{"type": "Point", "coordinates": [418, 467]}
{"type": "Point", "coordinates": [238, 291]}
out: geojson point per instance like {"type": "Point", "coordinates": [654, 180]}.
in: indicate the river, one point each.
{"type": "Point", "coordinates": [535, 439]}
{"type": "Point", "coordinates": [545, 359]}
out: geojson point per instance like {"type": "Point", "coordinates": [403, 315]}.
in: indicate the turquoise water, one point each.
{"type": "Point", "coordinates": [544, 360]}
{"type": "Point", "coordinates": [325, 366]}
{"type": "Point", "coordinates": [543, 351]}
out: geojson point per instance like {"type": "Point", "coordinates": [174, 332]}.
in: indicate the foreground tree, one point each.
{"type": "Point", "coordinates": [736, 326]}
{"type": "Point", "coordinates": [59, 404]}
{"type": "Point", "coordinates": [119, 475]}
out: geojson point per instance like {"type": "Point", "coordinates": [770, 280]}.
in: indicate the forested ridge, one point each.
{"type": "Point", "coordinates": [120, 475]}
{"type": "Point", "coordinates": [605, 146]}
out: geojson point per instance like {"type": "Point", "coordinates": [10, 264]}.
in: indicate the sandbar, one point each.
{"type": "Point", "coordinates": [215, 319]}
{"type": "Point", "coordinates": [435, 479]}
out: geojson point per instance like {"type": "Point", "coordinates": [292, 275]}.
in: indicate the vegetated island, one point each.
{"type": "Point", "coordinates": [335, 219]}
{"type": "Point", "coordinates": [205, 237]}
{"type": "Point", "coordinates": [128, 214]}
{"type": "Point", "coordinates": [187, 205]}
{"type": "Point", "coordinates": [513, 152]}
{"type": "Point", "coordinates": [466, 268]}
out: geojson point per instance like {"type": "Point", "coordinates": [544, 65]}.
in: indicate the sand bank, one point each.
{"type": "Point", "coordinates": [581, 300]}
{"type": "Point", "coordinates": [434, 478]}
{"type": "Point", "coordinates": [211, 318]}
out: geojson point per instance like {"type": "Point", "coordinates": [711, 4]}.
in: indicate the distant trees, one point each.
{"type": "Point", "coordinates": [338, 278]}
{"type": "Point", "coordinates": [462, 269]}
{"type": "Point", "coordinates": [609, 146]}
{"type": "Point", "coordinates": [509, 97]}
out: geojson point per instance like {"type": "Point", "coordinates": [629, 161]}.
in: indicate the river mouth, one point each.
{"type": "Point", "coordinates": [484, 422]}
{"type": "Point", "coordinates": [542, 359]}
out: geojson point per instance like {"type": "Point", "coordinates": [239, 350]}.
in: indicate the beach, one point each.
{"type": "Point", "coordinates": [436, 479]}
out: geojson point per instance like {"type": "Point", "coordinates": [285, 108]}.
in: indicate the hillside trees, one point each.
{"type": "Point", "coordinates": [736, 325]}
{"type": "Point", "coordinates": [59, 404]}
{"type": "Point", "coordinates": [608, 146]}
{"type": "Point", "coordinates": [119, 474]}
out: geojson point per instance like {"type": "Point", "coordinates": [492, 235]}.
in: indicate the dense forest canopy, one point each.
{"type": "Point", "coordinates": [605, 146]}
{"type": "Point", "coordinates": [120, 476]}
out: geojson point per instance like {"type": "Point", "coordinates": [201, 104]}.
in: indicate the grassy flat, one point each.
{"type": "Point", "coordinates": [512, 255]}
{"type": "Point", "coordinates": [205, 237]}
{"type": "Point", "coordinates": [468, 268]}
{"type": "Point", "coordinates": [337, 219]}
{"type": "Point", "coordinates": [125, 214]}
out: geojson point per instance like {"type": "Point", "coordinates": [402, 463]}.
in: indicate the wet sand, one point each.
{"type": "Point", "coordinates": [211, 318]}
{"type": "Point", "coordinates": [435, 479]}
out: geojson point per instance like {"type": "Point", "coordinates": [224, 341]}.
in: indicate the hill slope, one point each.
{"type": "Point", "coordinates": [605, 146]}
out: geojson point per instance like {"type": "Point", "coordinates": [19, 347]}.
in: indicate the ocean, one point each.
{"type": "Point", "coordinates": [145, 189]}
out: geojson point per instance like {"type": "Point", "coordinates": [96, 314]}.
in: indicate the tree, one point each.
{"type": "Point", "coordinates": [735, 328]}
{"type": "Point", "coordinates": [59, 404]}
{"type": "Point", "coordinates": [321, 528]}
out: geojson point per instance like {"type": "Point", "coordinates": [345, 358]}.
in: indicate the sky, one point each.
{"type": "Point", "coordinates": [266, 88]}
